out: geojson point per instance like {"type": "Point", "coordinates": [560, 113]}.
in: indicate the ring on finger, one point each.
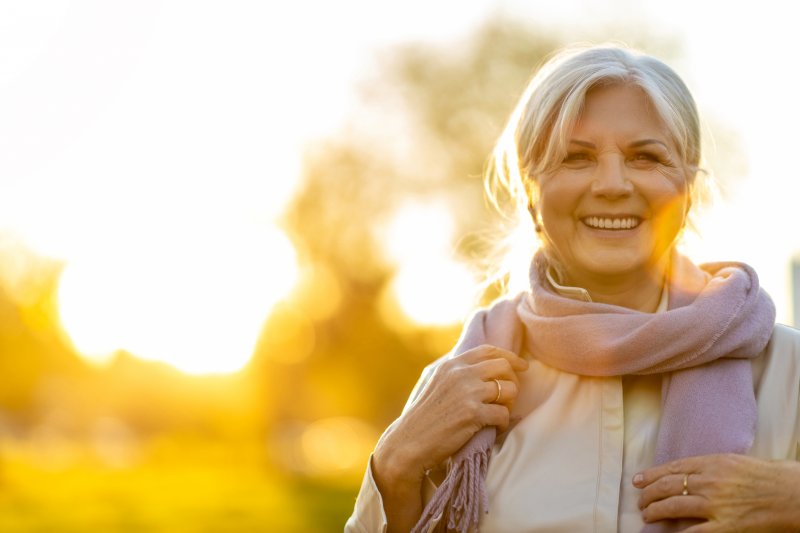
{"type": "Point", "coordinates": [499, 391]}
{"type": "Point", "coordinates": [685, 485]}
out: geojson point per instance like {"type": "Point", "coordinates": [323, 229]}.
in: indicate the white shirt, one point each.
{"type": "Point", "coordinates": [568, 464]}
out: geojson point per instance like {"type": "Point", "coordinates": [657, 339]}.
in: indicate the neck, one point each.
{"type": "Point", "coordinates": [640, 290]}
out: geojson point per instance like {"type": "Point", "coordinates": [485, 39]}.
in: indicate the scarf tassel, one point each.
{"type": "Point", "coordinates": [461, 499]}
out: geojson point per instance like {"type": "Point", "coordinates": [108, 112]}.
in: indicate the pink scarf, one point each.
{"type": "Point", "coordinates": [718, 317]}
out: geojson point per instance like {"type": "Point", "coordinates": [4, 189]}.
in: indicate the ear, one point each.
{"type": "Point", "coordinates": [537, 221]}
{"type": "Point", "coordinates": [533, 195]}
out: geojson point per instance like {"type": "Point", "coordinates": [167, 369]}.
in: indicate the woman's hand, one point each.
{"type": "Point", "coordinates": [456, 403]}
{"type": "Point", "coordinates": [731, 492]}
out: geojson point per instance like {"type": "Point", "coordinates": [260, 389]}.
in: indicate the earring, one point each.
{"type": "Point", "coordinates": [537, 226]}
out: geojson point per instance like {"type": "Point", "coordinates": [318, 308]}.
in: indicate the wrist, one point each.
{"type": "Point", "coordinates": [790, 474]}
{"type": "Point", "coordinates": [393, 469]}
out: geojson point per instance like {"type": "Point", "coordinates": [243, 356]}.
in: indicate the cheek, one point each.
{"type": "Point", "coordinates": [558, 198]}
{"type": "Point", "coordinates": [670, 212]}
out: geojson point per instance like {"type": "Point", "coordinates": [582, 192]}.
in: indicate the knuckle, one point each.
{"type": "Point", "coordinates": [663, 484]}
{"type": "Point", "coordinates": [473, 409]}
{"type": "Point", "coordinates": [484, 350]}
{"type": "Point", "coordinates": [675, 467]}
{"type": "Point", "coordinates": [513, 389]}
{"type": "Point", "coordinates": [446, 367]}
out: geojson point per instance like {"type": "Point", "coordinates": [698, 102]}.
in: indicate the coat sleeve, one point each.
{"type": "Point", "coordinates": [368, 514]}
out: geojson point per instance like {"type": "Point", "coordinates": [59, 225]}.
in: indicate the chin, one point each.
{"type": "Point", "coordinates": [616, 265]}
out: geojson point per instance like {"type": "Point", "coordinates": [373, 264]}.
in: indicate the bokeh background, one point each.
{"type": "Point", "coordinates": [232, 234]}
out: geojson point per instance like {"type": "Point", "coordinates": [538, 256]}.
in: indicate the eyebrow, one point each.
{"type": "Point", "coordinates": [635, 144]}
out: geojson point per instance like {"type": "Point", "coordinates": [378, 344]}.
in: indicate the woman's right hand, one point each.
{"type": "Point", "coordinates": [456, 403]}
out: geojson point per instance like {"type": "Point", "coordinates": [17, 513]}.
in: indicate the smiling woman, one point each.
{"type": "Point", "coordinates": [619, 201]}
{"type": "Point", "coordinates": [626, 388]}
{"type": "Point", "coordinates": [199, 306]}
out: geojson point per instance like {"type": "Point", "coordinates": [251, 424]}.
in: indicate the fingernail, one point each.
{"type": "Point", "coordinates": [637, 479]}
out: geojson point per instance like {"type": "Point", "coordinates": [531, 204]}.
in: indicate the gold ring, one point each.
{"type": "Point", "coordinates": [685, 485]}
{"type": "Point", "coordinates": [499, 390]}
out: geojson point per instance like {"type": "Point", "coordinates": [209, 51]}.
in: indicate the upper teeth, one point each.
{"type": "Point", "coordinates": [611, 223]}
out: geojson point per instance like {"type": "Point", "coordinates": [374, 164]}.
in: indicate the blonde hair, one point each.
{"type": "Point", "coordinates": [534, 140]}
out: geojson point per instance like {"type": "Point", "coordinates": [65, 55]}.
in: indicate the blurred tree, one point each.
{"type": "Point", "coordinates": [427, 124]}
{"type": "Point", "coordinates": [428, 120]}
{"type": "Point", "coordinates": [30, 345]}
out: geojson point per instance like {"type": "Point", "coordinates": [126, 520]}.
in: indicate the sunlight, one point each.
{"type": "Point", "coordinates": [418, 228]}
{"type": "Point", "coordinates": [196, 300]}
{"type": "Point", "coordinates": [429, 286]}
{"type": "Point", "coordinates": [436, 293]}
{"type": "Point", "coordinates": [337, 445]}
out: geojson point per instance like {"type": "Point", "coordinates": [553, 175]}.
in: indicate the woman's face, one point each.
{"type": "Point", "coordinates": [619, 199]}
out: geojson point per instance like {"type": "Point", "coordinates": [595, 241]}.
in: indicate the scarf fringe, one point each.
{"type": "Point", "coordinates": [461, 498]}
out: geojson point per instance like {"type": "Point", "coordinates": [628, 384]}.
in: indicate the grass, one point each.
{"type": "Point", "coordinates": [191, 487]}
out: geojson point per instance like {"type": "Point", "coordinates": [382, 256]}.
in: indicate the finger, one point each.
{"type": "Point", "coordinates": [686, 465]}
{"type": "Point", "coordinates": [496, 369]}
{"type": "Point", "coordinates": [495, 415]}
{"type": "Point", "coordinates": [675, 507]}
{"type": "Point", "coordinates": [666, 487]}
{"type": "Point", "coordinates": [488, 351]}
{"type": "Point", "coordinates": [500, 391]}
{"type": "Point", "coordinates": [705, 527]}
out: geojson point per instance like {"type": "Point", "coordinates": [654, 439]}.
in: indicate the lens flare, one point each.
{"type": "Point", "coordinates": [196, 300]}
{"type": "Point", "coordinates": [429, 286]}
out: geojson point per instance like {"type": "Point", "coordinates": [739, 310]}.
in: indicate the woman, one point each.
{"type": "Point", "coordinates": [628, 388]}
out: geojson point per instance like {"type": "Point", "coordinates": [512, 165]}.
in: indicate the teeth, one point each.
{"type": "Point", "coordinates": [611, 223]}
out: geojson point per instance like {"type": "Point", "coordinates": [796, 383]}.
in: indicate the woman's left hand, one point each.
{"type": "Point", "coordinates": [731, 492]}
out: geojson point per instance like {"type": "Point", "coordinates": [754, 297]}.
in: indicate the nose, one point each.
{"type": "Point", "coordinates": [610, 179]}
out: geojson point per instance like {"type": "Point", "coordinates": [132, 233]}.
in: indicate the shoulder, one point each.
{"type": "Point", "coordinates": [497, 324]}
{"type": "Point", "coordinates": [783, 349]}
{"type": "Point", "coordinates": [776, 377]}
{"type": "Point", "coordinates": [780, 360]}
{"type": "Point", "coordinates": [785, 339]}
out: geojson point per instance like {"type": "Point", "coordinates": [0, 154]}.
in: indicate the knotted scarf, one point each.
{"type": "Point", "coordinates": [717, 318]}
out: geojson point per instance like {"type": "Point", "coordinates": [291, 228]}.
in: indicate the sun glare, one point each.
{"type": "Point", "coordinates": [196, 301]}
{"type": "Point", "coordinates": [429, 286]}
{"type": "Point", "coordinates": [436, 293]}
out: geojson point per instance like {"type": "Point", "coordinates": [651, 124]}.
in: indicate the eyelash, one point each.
{"type": "Point", "coordinates": [576, 156]}
{"type": "Point", "coordinates": [639, 156]}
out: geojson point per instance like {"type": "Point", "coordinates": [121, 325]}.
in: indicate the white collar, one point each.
{"type": "Point", "coordinates": [579, 293]}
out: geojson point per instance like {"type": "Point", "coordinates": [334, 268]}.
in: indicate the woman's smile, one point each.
{"type": "Point", "coordinates": [613, 223]}
{"type": "Point", "coordinates": [617, 203]}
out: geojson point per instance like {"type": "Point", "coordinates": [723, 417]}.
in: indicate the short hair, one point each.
{"type": "Point", "coordinates": [535, 139]}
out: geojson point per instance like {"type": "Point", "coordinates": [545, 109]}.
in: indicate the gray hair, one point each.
{"type": "Point", "coordinates": [535, 139]}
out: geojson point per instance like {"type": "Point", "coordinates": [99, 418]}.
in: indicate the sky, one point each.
{"type": "Point", "coordinates": [135, 135]}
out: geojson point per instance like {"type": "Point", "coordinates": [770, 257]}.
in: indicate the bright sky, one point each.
{"type": "Point", "coordinates": [150, 134]}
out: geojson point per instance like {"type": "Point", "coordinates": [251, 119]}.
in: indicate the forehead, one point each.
{"type": "Point", "coordinates": [619, 111]}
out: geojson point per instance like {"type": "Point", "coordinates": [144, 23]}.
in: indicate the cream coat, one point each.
{"type": "Point", "coordinates": [568, 464]}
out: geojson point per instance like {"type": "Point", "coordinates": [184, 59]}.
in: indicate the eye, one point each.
{"type": "Point", "coordinates": [645, 159]}
{"type": "Point", "coordinates": [646, 156]}
{"type": "Point", "coordinates": [576, 156]}
{"type": "Point", "coordinates": [576, 159]}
